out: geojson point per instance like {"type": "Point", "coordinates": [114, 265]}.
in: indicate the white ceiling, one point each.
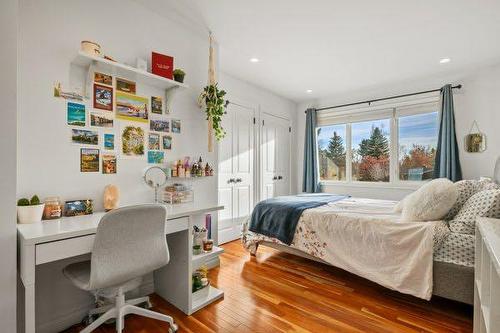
{"type": "Point", "coordinates": [334, 46]}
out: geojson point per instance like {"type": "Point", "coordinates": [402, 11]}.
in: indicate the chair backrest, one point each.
{"type": "Point", "coordinates": [130, 242]}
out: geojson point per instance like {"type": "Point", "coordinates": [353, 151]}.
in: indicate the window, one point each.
{"type": "Point", "coordinates": [371, 151]}
{"type": "Point", "coordinates": [395, 145]}
{"type": "Point", "coordinates": [417, 146]}
{"type": "Point", "coordinates": [332, 152]}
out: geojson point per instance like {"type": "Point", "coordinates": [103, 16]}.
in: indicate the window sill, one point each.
{"type": "Point", "coordinates": [396, 186]}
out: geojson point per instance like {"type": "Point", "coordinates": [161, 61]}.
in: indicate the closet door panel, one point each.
{"type": "Point", "coordinates": [226, 215]}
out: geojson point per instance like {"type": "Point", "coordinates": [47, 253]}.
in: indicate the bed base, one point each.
{"type": "Point", "coordinates": [450, 281]}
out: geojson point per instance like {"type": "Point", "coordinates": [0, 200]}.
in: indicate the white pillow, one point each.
{"type": "Point", "coordinates": [430, 202]}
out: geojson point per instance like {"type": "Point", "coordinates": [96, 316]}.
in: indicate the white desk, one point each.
{"type": "Point", "coordinates": [50, 241]}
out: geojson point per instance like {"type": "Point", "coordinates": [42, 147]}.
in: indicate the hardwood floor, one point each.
{"type": "Point", "coordinates": [278, 292]}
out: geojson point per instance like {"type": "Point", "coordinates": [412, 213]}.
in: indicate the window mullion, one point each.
{"type": "Point", "coordinates": [394, 155]}
{"type": "Point", "coordinates": [348, 153]}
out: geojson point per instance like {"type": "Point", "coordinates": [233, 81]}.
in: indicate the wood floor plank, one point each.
{"type": "Point", "coordinates": [279, 292]}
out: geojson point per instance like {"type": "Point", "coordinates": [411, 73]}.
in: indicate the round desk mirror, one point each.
{"type": "Point", "coordinates": [155, 177]}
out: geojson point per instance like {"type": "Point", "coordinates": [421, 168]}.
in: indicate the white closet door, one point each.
{"type": "Point", "coordinates": [275, 155]}
{"type": "Point", "coordinates": [236, 178]}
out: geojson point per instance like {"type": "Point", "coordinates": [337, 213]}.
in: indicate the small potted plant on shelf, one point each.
{"type": "Point", "coordinates": [29, 211]}
{"type": "Point", "coordinates": [179, 75]}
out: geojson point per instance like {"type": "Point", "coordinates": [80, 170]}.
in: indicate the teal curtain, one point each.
{"type": "Point", "coordinates": [447, 163]}
{"type": "Point", "coordinates": [310, 182]}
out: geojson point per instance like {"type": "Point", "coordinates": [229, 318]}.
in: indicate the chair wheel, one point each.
{"type": "Point", "coordinates": [88, 320]}
{"type": "Point", "coordinates": [173, 328]}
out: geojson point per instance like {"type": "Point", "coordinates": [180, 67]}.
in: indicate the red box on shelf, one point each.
{"type": "Point", "coordinates": [162, 65]}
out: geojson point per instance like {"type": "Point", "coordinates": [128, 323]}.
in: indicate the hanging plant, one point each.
{"type": "Point", "coordinates": [213, 99]}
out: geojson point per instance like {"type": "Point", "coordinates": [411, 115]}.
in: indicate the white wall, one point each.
{"type": "Point", "coordinates": [264, 101]}
{"type": "Point", "coordinates": [8, 110]}
{"type": "Point", "coordinates": [478, 99]}
{"type": "Point", "coordinates": [50, 35]}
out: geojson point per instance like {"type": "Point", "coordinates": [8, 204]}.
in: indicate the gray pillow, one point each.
{"type": "Point", "coordinates": [482, 204]}
{"type": "Point", "coordinates": [466, 189]}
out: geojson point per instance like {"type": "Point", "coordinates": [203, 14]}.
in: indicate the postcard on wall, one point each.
{"type": "Point", "coordinates": [108, 164]}
{"type": "Point", "coordinates": [132, 138]}
{"type": "Point", "coordinates": [167, 142]}
{"type": "Point", "coordinates": [98, 119]}
{"type": "Point", "coordinates": [89, 160]}
{"type": "Point", "coordinates": [154, 141]}
{"type": "Point", "coordinates": [159, 125]}
{"type": "Point", "coordinates": [131, 107]}
{"type": "Point", "coordinates": [103, 97]}
{"type": "Point", "coordinates": [109, 141]}
{"type": "Point", "coordinates": [176, 126]}
{"type": "Point", "coordinates": [156, 104]}
{"type": "Point", "coordinates": [76, 114]}
{"type": "Point", "coordinates": [155, 156]}
{"type": "Point", "coordinates": [86, 137]}
{"type": "Point", "coordinates": [125, 86]}
{"type": "Point", "coordinates": [103, 78]}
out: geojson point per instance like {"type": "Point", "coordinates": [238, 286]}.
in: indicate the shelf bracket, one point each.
{"type": "Point", "coordinates": [87, 90]}
{"type": "Point", "coordinates": [169, 97]}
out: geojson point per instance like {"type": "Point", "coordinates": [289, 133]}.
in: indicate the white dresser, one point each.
{"type": "Point", "coordinates": [487, 276]}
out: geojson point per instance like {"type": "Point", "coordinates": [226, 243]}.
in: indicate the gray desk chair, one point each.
{"type": "Point", "coordinates": [130, 242]}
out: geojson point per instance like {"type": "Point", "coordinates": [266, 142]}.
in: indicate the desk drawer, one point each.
{"type": "Point", "coordinates": [62, 249]}
{"type": "Point", "coordinates": [71, 247]}
{"type": "Point", "coordinates": [175, 225]}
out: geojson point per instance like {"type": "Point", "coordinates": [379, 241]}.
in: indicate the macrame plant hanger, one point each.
{"type": "Point", "coordinates": [212, 80]}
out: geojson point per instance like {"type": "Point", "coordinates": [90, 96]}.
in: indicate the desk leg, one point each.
{"type": "Point", "coordinates": [27, 260]}
{"type": "Point", "coordinates": [29, 308]}
{"type": "Point", "coordinates": [173, 281]}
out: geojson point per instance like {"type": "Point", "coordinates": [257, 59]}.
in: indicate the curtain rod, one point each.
{"type": "Point", "coordinates": [384, 99]}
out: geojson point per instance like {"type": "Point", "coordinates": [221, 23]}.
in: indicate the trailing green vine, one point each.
{"type": "Point", "coordinates": [213, 99]}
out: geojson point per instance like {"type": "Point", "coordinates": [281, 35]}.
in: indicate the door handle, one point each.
{"type": "Point", "coordinates": [280, 178]}
{"type": "Point", "coordinates": [231, 180]}
{"type": "Point", "coordinates": [275, 178]}
{"type": "Point", "coordinates": [238, 180]}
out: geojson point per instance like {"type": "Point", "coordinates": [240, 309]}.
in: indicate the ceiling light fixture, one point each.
{"type": "Point", "coordinates": [444, 60]}
{"type": "Point", "coordinates": [254, 60]}
{"type": "Point", "coordinates": [309, 91]}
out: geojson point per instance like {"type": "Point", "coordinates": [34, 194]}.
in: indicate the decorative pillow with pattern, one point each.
{"type": "Point", "coordinates": [466, 189]}
{"type": "Point", "coordinates": [482, 204]}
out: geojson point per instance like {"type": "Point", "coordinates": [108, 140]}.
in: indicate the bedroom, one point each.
{"type": "Point", "coordinates": [387, 111]}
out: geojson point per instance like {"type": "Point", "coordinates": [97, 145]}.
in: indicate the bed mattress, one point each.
{"type": "Point", "coordinates": [312, 238]}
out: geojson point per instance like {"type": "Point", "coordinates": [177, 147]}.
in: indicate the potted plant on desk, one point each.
{"type": "Point", "coordinates": [29, 211]}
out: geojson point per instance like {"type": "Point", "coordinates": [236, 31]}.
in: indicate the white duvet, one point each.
{"type": "Point", "coordinates": [366, 238]}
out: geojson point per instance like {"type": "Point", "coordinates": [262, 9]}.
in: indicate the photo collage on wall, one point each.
{"type": "Point", "coordinates": [119, 123]}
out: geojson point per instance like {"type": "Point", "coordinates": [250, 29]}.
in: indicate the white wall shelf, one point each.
{"type": "Point", "coordinates": [205, 296]}
{"type": "Point", "coordinates": [487, 276]}
{"type": "Point", "coordinates": [200, 259]}
{"type": "Point", "coordinates": [93, 63]}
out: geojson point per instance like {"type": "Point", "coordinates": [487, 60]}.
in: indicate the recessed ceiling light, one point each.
{"type": "Point", "coordinates": [444, 60]}
{"type": "Point", "coordinates": [254, 59]}
{"type": "Point", "coordinates": [309, 91]}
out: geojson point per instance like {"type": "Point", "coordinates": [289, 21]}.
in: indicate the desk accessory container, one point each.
{"type": "Point", "coordinates": [29, 211]}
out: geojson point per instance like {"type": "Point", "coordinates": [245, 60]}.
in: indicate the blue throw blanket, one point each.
{"type": "Point", "coordinates": [278, 217]}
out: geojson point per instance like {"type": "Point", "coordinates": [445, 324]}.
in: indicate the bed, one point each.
{"type": "Point", "coordinates": [449, 254]}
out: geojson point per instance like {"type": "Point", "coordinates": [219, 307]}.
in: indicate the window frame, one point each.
{"type": "Point", "coordinates": [393, 113]}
